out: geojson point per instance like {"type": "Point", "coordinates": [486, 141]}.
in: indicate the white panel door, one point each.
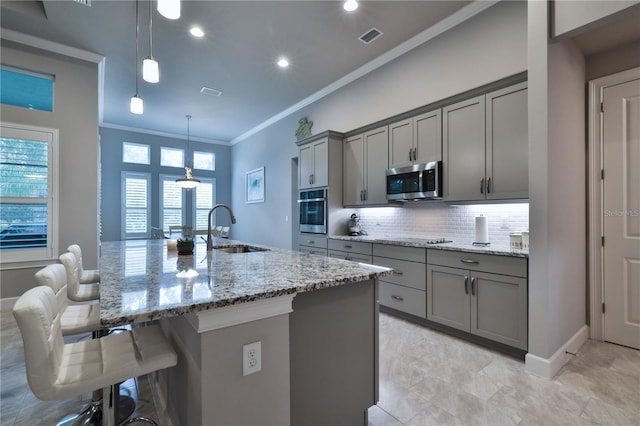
{"type": "Point", "coordinates": [621, 204]}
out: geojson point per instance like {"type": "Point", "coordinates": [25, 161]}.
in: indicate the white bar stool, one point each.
{"type": "Point", "coordinates": [85, 276]}
{"type": "Point", "coordinates": [75, 291]}
{"type": "Point", "coordinates": [56, 370]}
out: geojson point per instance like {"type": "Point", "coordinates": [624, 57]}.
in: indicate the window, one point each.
{"type": "Point", "coordinates": [27, 89]}
{"type": "Point", "coordinates": [204, 197]}
{"type": "Point", "coordinates": [171, 157]}
{"type": "Point", "coordinates": [171, 202]}
{"type": "Point", "coordinates": [135, 153]}
{"type": "Point", "coordinates": [28, 192]}
{"type": "Point", "coordinates": [204, 160]}
{"type": "Point", "coordinates": [135, 202]}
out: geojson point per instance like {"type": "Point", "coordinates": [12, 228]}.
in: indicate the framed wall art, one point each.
{"type": "Point", "coordinates": [255, 186]}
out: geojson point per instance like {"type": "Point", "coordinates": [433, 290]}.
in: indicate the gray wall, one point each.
{"type": "Point", "coordinates": [112, 168]}
{"type": "Point", "coordinates": [75, 114]}
{"type": "Point", "coordinates": [488, 47]}
{"type": "Point", "coordinates": [557, 199]}
{"type": "Point", "coordinates": [615, 60]}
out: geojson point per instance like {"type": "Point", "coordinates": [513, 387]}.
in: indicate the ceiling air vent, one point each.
{"type": "Point", "coordinates": [211, 92]}
{"type": "Point", "coordinates": [370, 35]}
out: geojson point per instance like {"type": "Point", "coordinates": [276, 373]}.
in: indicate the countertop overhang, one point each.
{"type": "Point", "coordinates": [141, 280]}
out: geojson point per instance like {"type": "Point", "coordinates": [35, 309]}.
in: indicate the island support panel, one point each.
{"type": "Point", "coordinates": [334, 355]}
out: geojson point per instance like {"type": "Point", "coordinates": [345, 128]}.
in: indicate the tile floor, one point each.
{"type": "Point", "coordinates": [426, 378]}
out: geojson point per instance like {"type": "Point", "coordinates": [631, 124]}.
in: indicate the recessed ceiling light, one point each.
{"type": "Point", "coordinates": [350, 5]}
{"type": "Point", "coordinates": [196, 32]}
{"type": "Point", "coordinates": [283, 63]}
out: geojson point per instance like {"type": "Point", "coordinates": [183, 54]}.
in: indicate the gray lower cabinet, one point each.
{"type": "Point", "coordinates": [355, 251]}
{"type": "Point", "coordinates": [405, 290]}
{"type": "Point", "coordinates": [490, 305]}
{"type": "Point", "coordinates": [313, 244]}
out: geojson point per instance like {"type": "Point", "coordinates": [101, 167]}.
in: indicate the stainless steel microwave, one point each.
{"type": "Point", "coordinates": [418, 182]}
{"type": "Point", "coordinates": [313, 211]}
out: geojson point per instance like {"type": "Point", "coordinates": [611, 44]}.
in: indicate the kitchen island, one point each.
{"type": "Point", "coordinates": [314, 319]}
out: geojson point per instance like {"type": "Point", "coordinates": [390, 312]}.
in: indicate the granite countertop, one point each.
{"type": "Point", "coordinates": [140, 280]}
{"type": "Point", "coordinates": [495, 249]}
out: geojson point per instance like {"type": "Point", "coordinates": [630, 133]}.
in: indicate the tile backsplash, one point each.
{"type": "Point", "coordinates": [436, 219]}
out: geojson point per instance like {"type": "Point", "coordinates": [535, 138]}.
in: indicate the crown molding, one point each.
{"type": "Point", "coordinates": [50, 46]}
{"type": "Point", "coordinates": [446, 24]}
{"type": "Point", "coordinates": [164, 134]}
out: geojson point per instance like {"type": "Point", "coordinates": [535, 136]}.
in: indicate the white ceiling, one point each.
{"type": "Point", "coordinates": [237, 55]}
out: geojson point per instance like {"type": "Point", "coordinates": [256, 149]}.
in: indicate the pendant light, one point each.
{"type": "Point", "coordinates": [136, 105]}
{"type": "Point", "coordinates": [170, 9]}
{"type": "Point", "coordinates": [188, 182]}
{"type": "Point", "coordinates": [150, 70]}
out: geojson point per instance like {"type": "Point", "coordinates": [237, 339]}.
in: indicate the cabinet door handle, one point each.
{"type": "Point", "coordinates": [347, 258]}
{"type": "Point", "coordinates": [348, 247]}
{"type": "Point", "coordinates": [365, 195]}
{"type": "Point", "coordinates": [488, 185]}
{"type": "Point", "coordinates": [415, 154]}
{"type": "Point", "coordinates": [397, 272]}
{"type": "Point", "coordinates": [361, 195]}
{"type": "Point", "coordinates": [466, 284]}
{"type": "Point", "coordinates": [399, 298]}
{"type": "Point", "coordinates": [482, 186]}
{"type": "Point", "coordinates": [311, 242]}
{"type": "Point", "coordinates": [473, 285]}
{"type": "Point", "coordinates": [470, 261]}
{"type": "Point", "coordinates": [309, 179]}
{"type": "Point", "coordinates": [410, 154]}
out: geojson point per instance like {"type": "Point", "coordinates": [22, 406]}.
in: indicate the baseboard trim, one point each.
{"type": "Point", "coordinates": [549, 367]}
{"type": "Point", "coordinates": [7, 303]}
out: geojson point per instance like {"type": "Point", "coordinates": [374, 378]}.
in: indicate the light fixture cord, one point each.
{"type": "Point", "coordinates": [137, 51]}
{"type": "Point", "coordinates": [188, 134]}
{"type": "Point", "coordinates": [150, 31]}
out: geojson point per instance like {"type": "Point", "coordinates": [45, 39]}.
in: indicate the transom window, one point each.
{"type": "Point", "coordinates": [171, 157]}
{"type": "Point", "coordinates": [27, 89]}
{"type": "Point", "coordinates": [204, 160]}
{"type": "Point", "coordinates": [135, 153]}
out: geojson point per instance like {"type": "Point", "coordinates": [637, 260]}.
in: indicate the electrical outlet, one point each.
{"type": "Point", "coordinates": [505, 222]}
{"type": "Point", "coordinates": [251, 358]}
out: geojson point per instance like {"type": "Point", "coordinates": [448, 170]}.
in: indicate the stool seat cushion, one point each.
{"type": "Point", "coordinates": [89, 276]}
{"type": "Point", "coordinates": [88, 292]}
{"type": "Point", "coordinates": [56, 370]}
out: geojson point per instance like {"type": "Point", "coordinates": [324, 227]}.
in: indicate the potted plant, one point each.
{"type": "Point", "coordinates": [185, 245]}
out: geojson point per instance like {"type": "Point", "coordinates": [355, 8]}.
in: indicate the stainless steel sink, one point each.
{"type": "Point", "coordinates": [240, 249]}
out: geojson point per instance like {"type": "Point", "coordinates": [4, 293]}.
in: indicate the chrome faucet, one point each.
{"type": "Point", "coordinates": [233, 220]}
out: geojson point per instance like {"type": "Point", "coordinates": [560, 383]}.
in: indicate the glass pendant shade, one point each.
{"type": "Point", "coordinates": [137, 105]}
{"type": "Point", "coordinates": [350, 5]}
{"type": "Point", "coordinates": [188, 181]}
{"type": "Point", "coordinates": [150, 70]}
{"type": "Point", "coordinates": [170, 9]}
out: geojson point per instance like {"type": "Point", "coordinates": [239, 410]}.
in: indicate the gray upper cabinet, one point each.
{"type": "Point", "coordinates": [507, 143]}
{"type": "Point", "coordinates": [313, 168]}
{"type": "Point", "coordinates": [463, 146]}
{"type": "Point", "coordinates": [485, 146]}
{"type": "Point", "coordinates": [365, 160]}
{"type": "Point", "coordinates": [416, 140]}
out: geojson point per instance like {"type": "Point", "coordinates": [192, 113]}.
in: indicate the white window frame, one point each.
{"type": "Point", "coordinates": [137, 144]}
{"type": "Point", "coordinates": [123, 204]}
{"type": "Point", "coordinates": [213, 160]}
{"type": "Point", "coordinates": [212, 181]}
{"type": "Point", "coordinates": [183, 214]}
{"type": "Point", "coordinates": [51, 136]}
{"type": "Point", "coordinates": [167, 148]}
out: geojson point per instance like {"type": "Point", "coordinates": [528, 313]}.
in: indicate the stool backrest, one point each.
{"type": "Point", "coordinates": [55, 277]}
{"type": "Point", "coordinates": [77, 252]}
{"type": "Point", "coordinates": [39, 324]}
{"type": "Point", "coordinates": [73, 278]}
